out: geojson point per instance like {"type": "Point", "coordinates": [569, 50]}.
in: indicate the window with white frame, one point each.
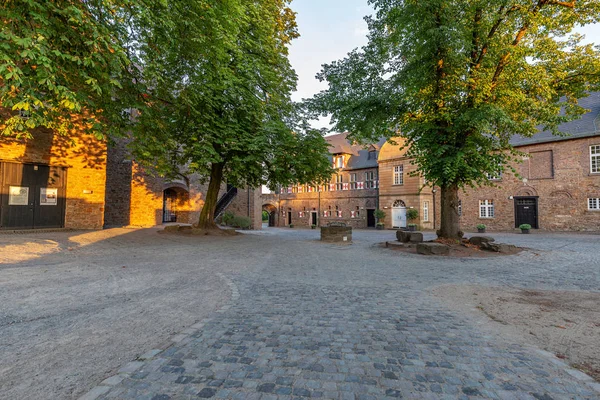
{"type": "Point", "coordinates": [486, 208]}
{"type": "Point", "coordinates": [353, 183]}
{"type": "Point", "coordinates": [425, 211]}
{"type": "Point", "coordinates": [338, 162]}
{"type": "Point", "coordinates": [399, 175]}
{"type": "Point", "coordinates": [595, 159]}
{"type": "Point", "coordinates": [594, 204]}
{"type": "Point", "coordinates": [370, 179]}
{"type": "Point", "coordinates": [496, 176]}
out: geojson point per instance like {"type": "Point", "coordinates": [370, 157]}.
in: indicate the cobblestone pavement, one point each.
{"type": "Point", "coordinates": [357, 322]}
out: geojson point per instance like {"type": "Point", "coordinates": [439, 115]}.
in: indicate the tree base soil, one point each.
{"type": "Point", "coordinates": [193, 231]}
{"type": "Point", "coordinates": [565, 323]}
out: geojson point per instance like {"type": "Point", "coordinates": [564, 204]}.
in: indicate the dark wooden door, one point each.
{"type": "Point", "coordinates": [314, 217]}
{"type": "Point", "coordinates": [272, 216]}
{"type": "Point", "coordinates": [526, 211]}
{"type": "Point", "coordinates": [289, 217]}
{"type": "Point", "coordinates": [371, 218]}
{"type": "Point", "coordinates": [32, 196]}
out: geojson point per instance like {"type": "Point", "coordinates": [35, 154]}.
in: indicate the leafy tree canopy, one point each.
{"type": "Point", "coordinates": [218, 100]}
{"type": "Point", "coordinates": [63, 60]}
{"type": "Point", "coordinates": [457, 79]}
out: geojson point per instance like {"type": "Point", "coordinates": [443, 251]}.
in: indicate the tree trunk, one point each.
{"type": "Point", "coordinates": [207, 215]}
{"type": "Point", "coordinates": [450, 224]}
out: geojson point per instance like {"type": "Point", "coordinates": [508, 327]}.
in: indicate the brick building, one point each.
{"type": "Point", "coordinates": [558, 182]}
{"type": "Point", "coordinates": [557, 186]}
{"type": "Point", "coordinates": [79, 182]}
{"type": "Point", "coordinates": [351, 196]}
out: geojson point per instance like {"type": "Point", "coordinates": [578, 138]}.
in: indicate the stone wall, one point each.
{"type": "Point", "coordinates": [85, 160]}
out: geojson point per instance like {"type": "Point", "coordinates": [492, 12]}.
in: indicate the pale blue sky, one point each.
{"type": "Point", "coordinates": [330, 29]}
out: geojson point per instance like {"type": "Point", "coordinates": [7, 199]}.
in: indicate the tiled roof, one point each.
{"type": "Point", "coordinates": [587, 125]}
{"type": "Point", "coordinates": [359, 154]}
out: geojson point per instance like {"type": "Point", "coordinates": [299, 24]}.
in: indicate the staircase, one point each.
{"type": "Point", "coordinates": [225, 200]}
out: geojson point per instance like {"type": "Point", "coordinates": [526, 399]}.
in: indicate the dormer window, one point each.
{"type": "Point", "coordinates": [372, 155]}
{"type": "Point", "coordinates": [338, 162]}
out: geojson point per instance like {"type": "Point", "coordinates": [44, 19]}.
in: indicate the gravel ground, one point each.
{"type": "Point", "coordinates": [77, 305]}
{"type": "Point", "coordinates": [71, 315]}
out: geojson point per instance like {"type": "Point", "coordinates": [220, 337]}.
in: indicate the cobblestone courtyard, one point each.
{"type": "Point", "coordinates": [297, 318]}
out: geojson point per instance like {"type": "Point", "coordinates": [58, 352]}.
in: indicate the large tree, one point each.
{"type": "Point", "coordinates": [218, 99]}
{"type": "Point", "coordinates": [64, 61]}
{"type": "Point", "coordinates": [458, 79]}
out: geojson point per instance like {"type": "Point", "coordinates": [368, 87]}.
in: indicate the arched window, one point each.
{"type": "Point", "coordinates": [399, 204]}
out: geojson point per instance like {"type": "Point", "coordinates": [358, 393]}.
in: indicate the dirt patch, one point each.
{"type": "Point", "coordinates": [565, 323]}
{"type": "Point", "coordinates": [191, 231]}
{"type": "Point", "coordinates": [457, 250]}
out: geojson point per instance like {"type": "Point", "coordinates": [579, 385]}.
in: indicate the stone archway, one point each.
{"type": "Point", "coordinates": [176, 201]}
{"type": "Point", "coordinates": [271, 209]}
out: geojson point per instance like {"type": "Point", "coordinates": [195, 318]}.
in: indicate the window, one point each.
{"type": "Point", "coordinates": [460, 208]}
{"type": "Point", "coordinates": [399, 175]}
{"type": "Point", "coordinates": [370, 180]}
{"type": "Point", "coordinates": [339, 182]}
{"type": "Point", "coordinates": [594, 204]}
{"type": "Point", "coordinates": [595, 159]}
{"type": "Point", "coordinates": [353, 183]}
{"type": "Point", "coordinates": [338, 212]}
{"type": "Point", "coordinates": [494, 176]}
{"type": "Point", "coordinates": [372, 155]}
{"type": "Point", "coordinates": [426, 211]}
{"type": "Point", "coordinates": [486, 208]}
{"type": "Point", "coordinates": [338, 162]}
{"type": "Point", "coordinates": [294, 189]}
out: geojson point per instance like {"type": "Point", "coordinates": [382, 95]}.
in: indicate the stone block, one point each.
{"type": "Point", "coordinates": [433, 249]}
{"type": "Point", "coordinates": [498, 247]}
{"type": "Point", "coordinates": [416, 237]}
{"type": "Point", "coordinates": [171, 228]}
{"type": "Point", "coordinates": [478, 240]}
{"type": "Point", "coordinates": [403, 236]}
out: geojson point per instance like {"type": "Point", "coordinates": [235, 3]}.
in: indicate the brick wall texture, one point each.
{"type": "Point", "coordinates": [85, 160]}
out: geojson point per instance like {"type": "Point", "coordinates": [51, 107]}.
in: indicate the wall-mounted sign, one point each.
{"type": "Point", "coordinates": [18, 196]}
{"type": "Point", "coordinates": [48, 196]}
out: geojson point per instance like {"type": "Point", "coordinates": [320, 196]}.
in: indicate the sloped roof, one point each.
{"type": "Point", "coordinates": [586, 126]}
{"type": "Point", "coordinates": [359, 154]}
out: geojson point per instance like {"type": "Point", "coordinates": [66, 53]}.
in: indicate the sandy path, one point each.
{"type": "Point", "coordinates": [566, 323]}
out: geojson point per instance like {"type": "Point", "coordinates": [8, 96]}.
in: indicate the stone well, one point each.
{"type": "Point", "coordinates": [336, 234]}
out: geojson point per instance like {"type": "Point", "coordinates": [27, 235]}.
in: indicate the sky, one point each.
{"type": "Point", "coordinates": [329, 30]}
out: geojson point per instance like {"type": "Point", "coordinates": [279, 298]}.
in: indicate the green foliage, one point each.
{"type": "Point", "coordinates": [63, 64]}
{"type": "Point", "coordinates": [241, 222]}
{"type": "Point", "coordinates": [228, 217]}
{"type": "Point", "coordinates": [525, 226]}
{"type": "Point", "coordinates": [412, 214]}
{"type": "Point", "coordinates": [265, 216]}
{"type": "Point", "coordinates": [458, 79]}
{"type": "Point", "coordinates": [380, 224]}
{"type": "Point", "coordinates": [480, 226]}
{"type": "Point", "coordinates": [219, 102]}
{"type": "Point", "coordinates": [379, 214]}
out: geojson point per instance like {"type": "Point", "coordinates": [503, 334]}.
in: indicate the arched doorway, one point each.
{"type": "Point", "coordinates": [175, 202]}
{"type": "Point", "coordinates": [399, 214]}
{"type": "Point", "coordinates": [272, 211]}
